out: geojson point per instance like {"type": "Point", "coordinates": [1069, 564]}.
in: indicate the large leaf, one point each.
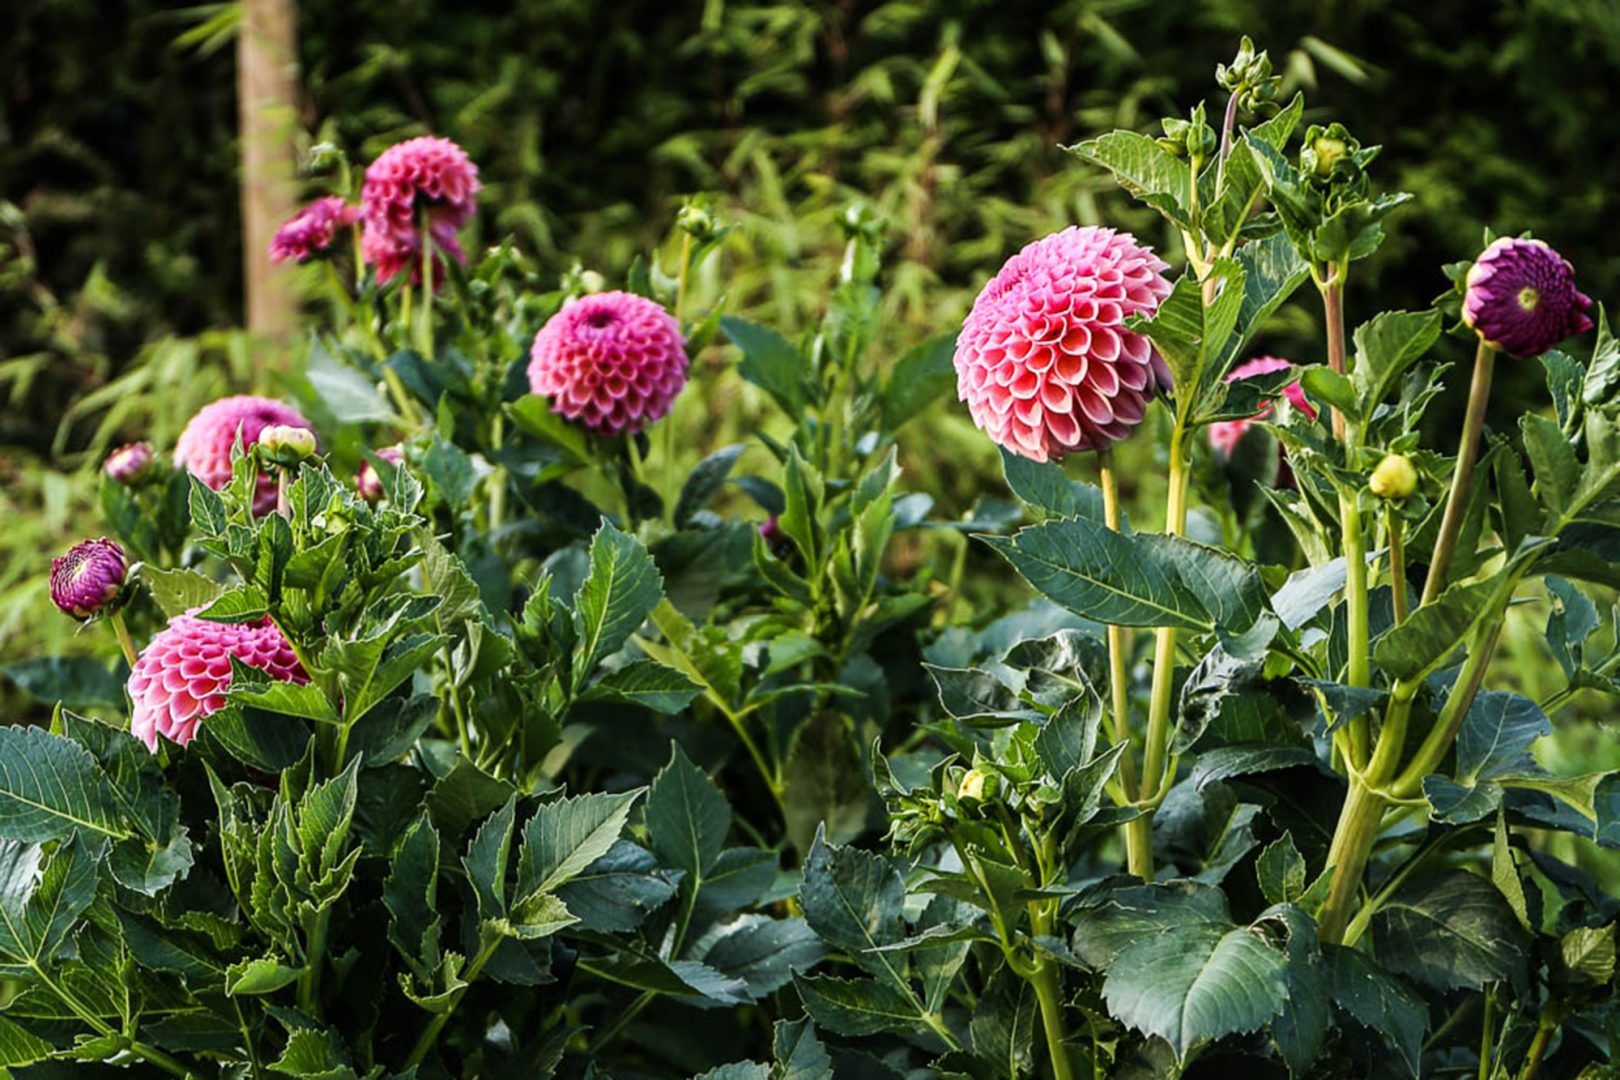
{"type": "Point", "coordinates": [853, 900]}
{"type": "Point", "coordinates": [855, 1006]}
{"type": "Point", "coordinates": [1047, 487]}
{"type": "Point", "coordinates": [1386, 346]}
{"type": "Point", "coordinates": [619, 890]}
{"type": "Point", "coordinates": [620, 590]}
{"type": "Point", "coordinates": [567, 835]}
{"type": "Point", "coordinates": [923, 373]}
{"type": "Point", "coordinates": [1140, 165]}
{"type": "Point", "coordinates": [1141, 579]}
{"type": "Point", "coordinates": [770, 361]}
{"type": "Point", "coordinates": [687, 817]}
{"type": "Point", "coordinates": [75, 681]}
{"type": "Point", "coordinates": [1451, 930]}
{"type": "Point", "coordinates": [1378, 1002]}
{"type": "Point", "coordinates": [50, 786]}
{"type": "Point", "coordinates": [705, 482]}
{"type": "Point", "coordinates": [38, 907]}
{"type": "Point", "coordinates": [1419, 645]}
{"type": "Point", "coordinates": [1196, 983]}
{"type": "Point", "coordinates": [824, 785]}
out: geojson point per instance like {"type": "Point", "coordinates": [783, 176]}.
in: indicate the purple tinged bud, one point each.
{"type": "Point", "coordinates": [130, 464]}
{"type": "Point", "coordinates": [1521, 298]}
{"type": "Point", "coordinates": [88, 577]}
{"type": "Point", "coordinates": [367, 483]}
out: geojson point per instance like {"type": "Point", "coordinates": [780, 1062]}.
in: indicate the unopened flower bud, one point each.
{"type": "Point", "coordinates": [129, 465]}
{"type": "Point", "coordinates": [367, 482]}
{"type": "Point", "coordinates": [1394, 478]}
{"type": "Point", "coordinates": [695, 222]}
{"type": "Point", "coordinates": [286, 444]}
{"type": "Point", "coordinates": [88, 577]}
{"type": "Point", "coordinates": [592, 281]}
{"type": "Point", "coordinates": [972, 787]}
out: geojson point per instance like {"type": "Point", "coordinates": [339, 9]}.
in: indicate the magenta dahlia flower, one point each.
{"type": "Point", "coordinates": [312, 230]}
{"type": "Point", "coordinates": [366, 480]}
{"type": "Point", "coordinates": [611, 362]}
{"type": "Point", "coordinates": [1224, 436]}
{"type": "Point", "coordinates": [204, 449]}
{"type": "Point", "coordinates": [425, 178]}
{"type": "Point", "coordinates": [1521, 297]}
{"type": "Point", "coordinates": [129, 464]}
{"type": "Point", "coordinates": [88, 577]}
{"type": "Point", "coordinates": [183, 675]}
{"type": "Point", "coordinates": [1044, 361]}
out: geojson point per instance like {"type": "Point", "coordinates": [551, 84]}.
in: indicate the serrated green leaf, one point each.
{"type": "Point", "coordinates": [853, 900]}
{"type": "Point", "coordinates": [1387, 345]}
{"type": "Point", "coordinates": [687, 817]}
{"type": "Point", "coordinates": [770, 361]}
{"type": "Point", "coordinates": [923, 373]}
{"type": "Point", "coordinates": [1450, 931]}
{"type": "Point", "coordinates": [1281, 870]}
{"type": "Point", "coordinates": [1196, 983]}
{"type": "Point", "coordinates": [567, 835]}
{"type": "Point", "coordinates": [705, 481]}
{"type": "Point", "coordinates": [41, 899]}
{"type": "Point", "coordinates": [856, 1006]}
{"type": "Point", "coordinates": [798, 1052]}
{"type": "Point", "coordinates": [1378, 1002]}
{"type": "Point", "coordinates": [823, 781]}
{"type": "Point", "coordinates": [618, 593]}
{"type": "Point", "coordinates": [262, 975]}
{"type": "Point", "coordinates": [1047, 487]}
{"type": "Point", "coordinates": [1140, 165]}
{"type": "Point", "coordinates": [647, 684]}
{"type": "Point", "coordinates": [50, 786]}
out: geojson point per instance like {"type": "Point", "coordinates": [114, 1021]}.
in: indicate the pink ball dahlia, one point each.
{"type": "Point", "coordinates": [204, 449]}
{"type": "Point", "coordinates": [1521, 297]}
{"type": "Point", "coordinates": [312, 230]}
{"type": "Point", "coordinates": [1224, 436]}
{"type": "Point", "coordinates": [366, 480]}
{"type": "Point", "coordinates": [611, 362]}
{"type": "Point", "coordinates": [129, 464]}
{"type": "Point", "coordinates": [183, 675]}
{"type": "Point", "coordinates": [1044, 361]}
{"type": "Point", "coordinates": [88, 577]}
{"type": "Point", "coordinates": [425, 177]}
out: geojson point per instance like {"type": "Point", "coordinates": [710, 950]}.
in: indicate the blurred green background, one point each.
{"type": "Point", "coordinates": [120, 260]}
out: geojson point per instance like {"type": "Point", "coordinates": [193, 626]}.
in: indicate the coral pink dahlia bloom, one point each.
{"type": "Point", "coordinates": [183, 675]}
{"type": "Point", "coordinates": [204, 449]}
{"type": "Point", "coordinates": [312, 230]}
{"type": "Point", "coordinates": [1044, 361]}
{"type": "Point", "coordinates": [1224, 436]}
{"type": "Point", "coordinates": [429, 178]}
{"type": "Point", "coordinates": [1521, 297]}
{"type": "Point", "coordinates": [88, 577]}
{"type": "Point", "coordinates": [611, 362]}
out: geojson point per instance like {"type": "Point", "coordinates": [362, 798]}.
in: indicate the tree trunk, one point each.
{"type": "Point", "coordinates": [266, 95]}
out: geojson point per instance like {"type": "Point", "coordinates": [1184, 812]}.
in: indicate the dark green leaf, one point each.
{"type": "Point", "coordinates": [1451, 930]}
{"type": "Point", "coordinates": [770, 361]}
{"type": "Point", "coordinates": [50, 786]}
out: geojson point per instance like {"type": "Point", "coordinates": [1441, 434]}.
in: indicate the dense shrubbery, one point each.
{"type": "Point", "coordinates": [483, 737]}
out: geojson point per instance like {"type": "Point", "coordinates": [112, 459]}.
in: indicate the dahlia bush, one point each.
{"type": "Point", "coordinates": [458, 730]}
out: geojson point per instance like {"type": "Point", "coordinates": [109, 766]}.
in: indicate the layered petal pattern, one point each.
{"type": "Point", "coordinates": [1521, 297]}
{"type": "Point", "coordinates": [1044, 360]}
{"type": "Point", "coordinates": [183, 675]}
{"type": "Point", "coordinates": [312, 230]}
{"type": "Point", "coordinates": [424, 179]}
{"type": "Point", "coordinates": [88, 577]}
{"type": "Point", "coordinates": [611, 362]}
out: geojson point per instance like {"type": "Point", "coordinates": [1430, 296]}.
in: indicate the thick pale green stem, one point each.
{"type": "Point", "coordinates": [121, 632]}
{"type": "Point", "coordinates": [424, 341]}
{"type": "Point", "coordinates": [309, 983]}
{"type": "Point", "coordinates": [1139, 831]}
{"type": "Point", "coordinates": [1445, 543]}
{"type": "Point", "coordinates": [1429, 755]}
{"type": "Point", "coordinates": [1359, 667]}
{"type": "Point", "coordinates": [1397, 565]}
{"type": "Point", "coordinates": [1359, 821]}
{"type": "Point", "coordinates": [1164, 652]}
{"type": "Point", "coordinates": [1049, 995]}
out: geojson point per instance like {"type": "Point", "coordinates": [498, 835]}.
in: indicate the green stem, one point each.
{"type": "Point", "coordinates": [622, 1021]}
{"type": "Point", "coordinates": [1538, 1046]}
{"type": "Point", "coordinates": [1397, 564]}
{"type": "Point", "coordinates": [1479, 392]}
{"type": "Point", "coordinates": [1446, 726]}
{"type": "Point", "coordinates": [1486, 1028]}
{"type": "Point", "coordinates": [1138, 831]}
{"type": "Point", "coordinates": [402, 397]}
{"type": "Point", "coordinates": [1154, 776]}
{"type": "Point", "coordinates": [1359, 822]}
{"type": "Point", "coordinates": [121, 632]}
{"type": "Point", "coordinates": [1049, 994]}
{"type": "Point", "coordinates": [430, 1034]}
{"type": "Point", "coordinates": [309, 983]}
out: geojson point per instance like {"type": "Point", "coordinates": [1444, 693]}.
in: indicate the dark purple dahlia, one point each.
{"type": "Point", "coordinates": [88, 577]}
{"type": "Point", "coordinates": [1521, 297]}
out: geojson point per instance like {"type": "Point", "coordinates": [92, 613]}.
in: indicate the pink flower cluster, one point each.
{"type": "Point", "coordinates": [1224, 436]}
{"type": "Point", "coordinates": [424, 180]}
{"type": "Point", "coordinates": [204, 448]}
{"type": "Point", "coordinates": [1044, 360]}
{"type": "Point", "coordinates": [611, 362]}
{"type": "Point", "coordinates": [312, 230]}
{"type": "Point", "coordinates": [183, 675]}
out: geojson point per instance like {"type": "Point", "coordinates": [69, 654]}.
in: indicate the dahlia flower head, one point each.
{"type": "Point", "coordinates": [426, 176]}
{"type": "Point", "coordinates": [88, 577]}
{"type": "Point", "coordinates": [312, 230]}
{"type": "Point", "coordinates": [611, 362]}
{"type": "Point", "coordinates": [366, 481]}
{"type": "Point", "coordinates": [1521, 298]}
{"type": "Point", "coordinates": [183, 675]}
{"type": "Point", "coordinates": [204, 448]}
{"type": "Point", "coordinates": [1224, 436]}
{"type": "Point", "coordinates": [1044, 360]}
{"type": "Point", "coordinates": [129, 464]}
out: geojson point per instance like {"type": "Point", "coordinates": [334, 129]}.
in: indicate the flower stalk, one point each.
{"type": "Point", "coordinates": [1445, 543]}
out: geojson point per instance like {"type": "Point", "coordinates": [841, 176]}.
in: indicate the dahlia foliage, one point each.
{"type": "Point", "coordinates": [479, 717]}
